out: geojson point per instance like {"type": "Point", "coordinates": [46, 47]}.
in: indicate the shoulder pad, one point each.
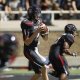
{"type": "Point", "coordinates": [26, 24]}
{"type": "Point", "coordinates": [69, 38]}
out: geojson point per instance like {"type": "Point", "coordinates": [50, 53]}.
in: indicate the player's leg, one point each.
{"type": "Point", "coordinates": [59, 72]}
{"type": "Point", "coordinates": [58, 62]}
{"type": "Point", "coordinates": [36, 60]}
{"type": "Point", "coordinates": [63, 76]}
{"type": "Point", "coordinates": [44, 73]}
{"type": "Point", "coordinates": [39, 72]}
{"type": "Point", "coordinates": [43, 68]}
{"type": "Point", "coordinates": [36, 76]}
{"type": "Point", "coordinates": [62, 68]}
{"type": "Point", "coordinates": [32, 55]}
{"type": "Point", "coordinates": [66, 65]}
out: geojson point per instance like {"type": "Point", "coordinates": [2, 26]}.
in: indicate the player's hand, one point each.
{"type": "Point", "coordinates": [74, 54]}
{"type": "Point", "coordinates": [39, 29]}
{"type": "Point", "coordinates": [42, 28]}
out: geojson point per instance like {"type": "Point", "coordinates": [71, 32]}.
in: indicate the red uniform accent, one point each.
{"type": "Point", "coordinates": [29, 23]}
{"type": "Point", "coordinates": [62, 61]}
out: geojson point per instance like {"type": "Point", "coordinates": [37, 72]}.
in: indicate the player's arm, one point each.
{"type": "Point", "coordinates": [25, 31]}
{"type": "Point", "coordinates": [28, 40]}
{"type": "Point", "coordinates": [66, 49]}
{"type": "Point", "coordinates": [44, 33]}
{"type": "Point", "coordinates": [44, 73]}
{"type": "Point", "coordinates": [26, 26]}
{"type": "Point", "coordinates": [45, 36]}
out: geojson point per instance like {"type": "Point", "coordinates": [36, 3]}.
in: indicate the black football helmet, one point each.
{"type": "Point", "coordinates": [34, 12]}
{"type": "Point", "coordinates": [70, 28]}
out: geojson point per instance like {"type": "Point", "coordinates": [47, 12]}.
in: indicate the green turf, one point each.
{"type": "Point", "coordinates": [24, 71]}
{"type": "Point", "coordinates": [17, 71]}
{"type": "Point", "coordinates": [75, 71]}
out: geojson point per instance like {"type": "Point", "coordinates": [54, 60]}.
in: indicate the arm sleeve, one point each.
{"type": "Point", "coordinates": [69, 39]}
{"type": "Point", "coordinates": [24, 30]}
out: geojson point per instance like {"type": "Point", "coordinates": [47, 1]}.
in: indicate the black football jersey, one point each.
{"type": "Point", "coordinates": [28, 27]}
{"type": "Point", "coordinates": [69, 38]}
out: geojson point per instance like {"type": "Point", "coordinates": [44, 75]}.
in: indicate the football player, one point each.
{"type": "Point", "coordinates": [32, 27]}
{"type": "Point", "coordinates": [62, 45]}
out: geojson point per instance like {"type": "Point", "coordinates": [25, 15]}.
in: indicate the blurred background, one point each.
{"type": "Point", "coordinates": [55, 14]}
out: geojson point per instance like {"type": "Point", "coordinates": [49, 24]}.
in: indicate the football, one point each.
{"type": "Point", "coordinates": [45, 31]}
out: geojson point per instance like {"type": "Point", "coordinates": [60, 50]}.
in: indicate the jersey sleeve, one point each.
{"type": "Point", "coordinates": [69, 39]}
{"type": "Point", "coordinates": [26, 25]}
{"type": "Point", "coordinates": [26, 28]}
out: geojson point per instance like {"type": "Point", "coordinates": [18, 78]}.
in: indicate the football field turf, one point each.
{"type": "Point", "coordinates": [26, 75]}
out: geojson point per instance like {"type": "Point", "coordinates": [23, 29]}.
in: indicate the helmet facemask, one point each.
{"type": "Point", "coordinates": [34, 13]}
{"type": "Point", "coordinates": [70, 28]}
